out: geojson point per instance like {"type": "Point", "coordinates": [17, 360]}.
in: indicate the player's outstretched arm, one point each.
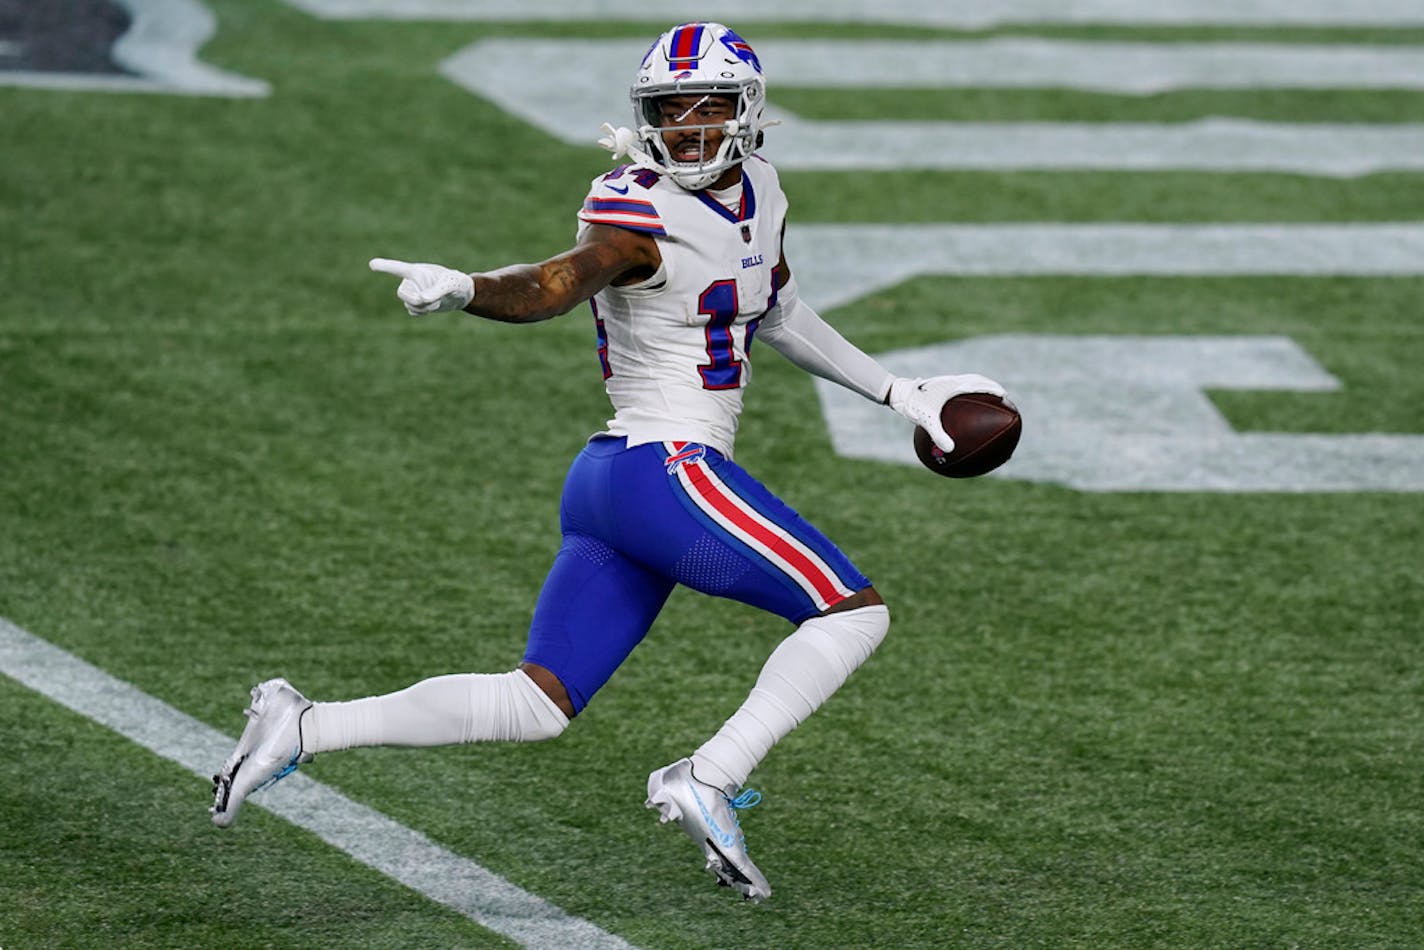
{"type": "Point", "coordinates": [526, 293]}
{"type": "Point", "coordinates": [427, 288]}
{"type": "Point", "coordinates": [797, 332]}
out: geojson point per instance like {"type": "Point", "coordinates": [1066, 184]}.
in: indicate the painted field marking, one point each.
{"type": "Point", "coordinates": [1150, 382]}
{"type": "Point", "coordinates": [161, 49]}
{"type": "Point", "coordinates": [1131, 413]}
{"type": "Point", "coordinates": [971, 14]}
{"type": "Point", "coordinates": [838, 263]}
{"type": "Point", "coordinates": [1095, 66]}
{"type": "Point", "coordinates": [1337, 150]}
{"type": "Point", "coordinates": [568, 87]}
{"type": "Point", "coordinates": [1001, 63]}
{"type": "Point", "coordinates": [400, 853]}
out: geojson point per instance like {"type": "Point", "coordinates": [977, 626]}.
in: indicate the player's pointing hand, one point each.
{"type": "Point", "coordinates": [427, 288]}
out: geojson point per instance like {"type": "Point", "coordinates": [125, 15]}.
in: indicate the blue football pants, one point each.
{"type": "Point", "coordinates": [637, 521]}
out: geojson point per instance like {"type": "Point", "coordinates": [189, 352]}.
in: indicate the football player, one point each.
{"type": "Point", "coordinates": [679, 254]}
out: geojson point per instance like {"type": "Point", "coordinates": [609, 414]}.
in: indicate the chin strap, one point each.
{"type": "Point", "coordinates": [624, 141]}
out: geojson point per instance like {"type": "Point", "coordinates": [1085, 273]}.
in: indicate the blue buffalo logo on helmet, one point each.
{"type": "Point", "coordinates": [741, 48]}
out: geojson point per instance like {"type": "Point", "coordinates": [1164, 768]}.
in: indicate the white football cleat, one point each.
{"type": "Point", "coordinates": [709, 816]}
{"type": "Point", "coordinates": [270, 748]}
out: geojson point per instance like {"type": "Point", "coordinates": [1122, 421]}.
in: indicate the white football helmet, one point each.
{"type": "Point", "coordinates": [707, 59]}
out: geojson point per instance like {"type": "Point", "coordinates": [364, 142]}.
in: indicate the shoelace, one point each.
{"type": "Point", "coordinates": [749, 798]}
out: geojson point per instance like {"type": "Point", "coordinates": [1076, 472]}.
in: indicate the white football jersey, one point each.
{"type": "Point", "coordinates": [674, 347]}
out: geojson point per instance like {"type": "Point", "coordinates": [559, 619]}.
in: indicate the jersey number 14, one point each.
{"type": "Point", "coordinates": [718, 303]}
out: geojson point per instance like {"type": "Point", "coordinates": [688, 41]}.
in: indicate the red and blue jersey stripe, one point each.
{"type": "Point", "coordinates": [634, 214]}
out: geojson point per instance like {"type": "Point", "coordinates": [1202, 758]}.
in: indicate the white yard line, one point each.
{"type": "Point", "coordinates": [948, 13]}
{"type": "Point", "coordinates": [400, 853]}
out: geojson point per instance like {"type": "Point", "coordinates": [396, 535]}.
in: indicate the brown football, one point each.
{"type": "Point", "coordinates": [985, 430]}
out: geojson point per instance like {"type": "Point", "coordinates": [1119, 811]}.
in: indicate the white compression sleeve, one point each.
{"type": "Point", "coordinates": [443, 710]}
{"type": "Point", "coordinates": [801, 674]}
{"type": "Point", "coordinates": [798, 333]}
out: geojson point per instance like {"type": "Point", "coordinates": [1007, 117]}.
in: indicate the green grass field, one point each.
{"type": "Point", "coordinates": [1100, 720]}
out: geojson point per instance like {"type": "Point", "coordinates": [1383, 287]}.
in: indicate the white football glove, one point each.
{"type": "Point", "coordinates": [920, 400]}
{"type": "Point", "coordinates": [428, 288]}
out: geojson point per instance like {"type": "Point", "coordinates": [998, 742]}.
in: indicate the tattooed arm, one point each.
{"type": "Point", "coordinates": [527, 293]}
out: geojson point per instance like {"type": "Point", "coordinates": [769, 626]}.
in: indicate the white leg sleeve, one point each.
{"type": "Point", "coordinates": [443, 710]}
{"type": "Point", "coordinates": [800, 675]}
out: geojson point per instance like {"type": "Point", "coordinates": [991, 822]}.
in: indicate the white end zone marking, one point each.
{"type": "Point", "coordinates": [1093, 65]}
{"type": "Point", "coordinates": [838, 263]}
{"type": "Point", "coordinates": [1335, 150]}
{"type": "Point", "coordinates": [567, 87]}
{"type": "Point", "coordinates": [1129, 413]}
{"type": "Point", "coordinates": [396, 851]}
{"type": "Point", "coordinates": [161, 46]}
{"type": "Point", "coordinates": [962, 13]}
{"type": "Point", "coordinates": [512, 67]}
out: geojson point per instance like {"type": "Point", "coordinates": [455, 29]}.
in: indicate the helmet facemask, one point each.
{"type": "Point", "coordinates": [658, 114]}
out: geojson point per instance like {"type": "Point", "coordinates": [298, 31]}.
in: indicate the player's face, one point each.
{"type": "Point", "coordinates": [684, 120]}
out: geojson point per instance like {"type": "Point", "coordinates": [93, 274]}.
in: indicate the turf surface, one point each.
{"type": "Point", "coordinates": [1100, 720]}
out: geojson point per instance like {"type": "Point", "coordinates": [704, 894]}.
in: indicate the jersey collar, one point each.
{"type": "Point", "coordinates": [746, 208]}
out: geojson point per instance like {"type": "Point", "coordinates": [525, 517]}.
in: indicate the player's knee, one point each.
{"type": "Point", "coordinates": [865, 613]}
{"type": "Point", "coordinates": [876, 623]}
{"type": "Point", "coordinates": [545, 729]}
{"type": "Point", "coordinates": [541, 716]}
{"type": "Point", "coordinates": [864, 624]}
